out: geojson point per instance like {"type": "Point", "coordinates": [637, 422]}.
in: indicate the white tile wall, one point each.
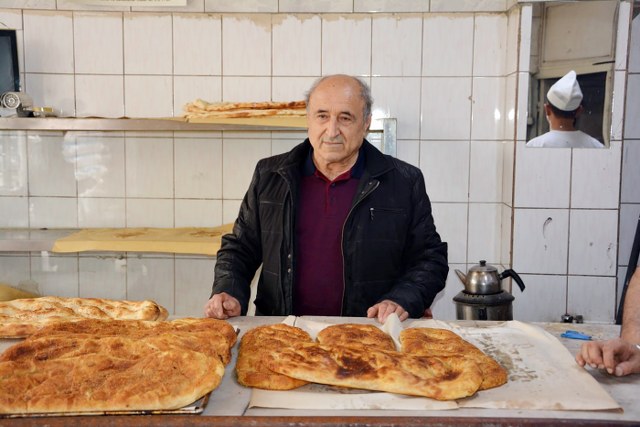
{"type": "Point", "coordinates": [97, 32]}
{"type": "Point", "coordinates": [103, 212]}
{"type": "Point", "coordinates": [235, 181]}
{"type": "Point", "coordinates": [398, 97]}
{"type": "Point", "coordinates": [194, 279]}
{"type": "Point", "coordinates": [53, 212]}
{"type": "Point", "coordinates": [346, 58]}
{"type": "Point", "coordinates": [595, 177]}
{"type": "Point", "coordinates": [15, 212]}
{"type": "Point", "coordinates": [100, 165]}
{"type": "Point", "coordinates": [150, 277]}
{"type": "Point", "coordinates": [149, 167]}
{"type": "Point", "coordinates": [186, 89]}
{"type": "Point", "coordinates": [108, 89]}
{"type": "Point", "coordinates": [396, 53]}
{"type": "Point", "coordinates": [451, 55]}
{"type": "Point", "coordinates": [441, 96]}
{"type": "Point", "coordinates": [540, 241]}
{"type": "Point", "coordinates": [452, 223]}
{"type": "Point", "coordinates": [197, 45]}
{"type": "Point", "coordinates": [593, 242]}
{"type": "Point", "coordinates": [52, 90]}
{"type": "Point", "coordinates": [49, 36]}
{"type": "Point", "coordinates": [104, 277]}
{"type": "Point", "coordinates": [446, 168]}
{"type": "Point", "coordinates": [542, 177]}
{"type": "Point", "coordinates": [147, 44]}
{"type": "Point", "coordinates": [150, 213]}
{"type": "Point", "coordinates": [296, 45]}
{"type": "Point", "coordinates": [486, 171]}
{"type": "Point", "coordinates": [16, 269]}
{"type": "Point", "coordinates": [13, 153]}
{"type": "Point", "coordinates": [198, 168]}
{"type": "Point", "coordinates": [488, 111]}
{"type": "Point", "coordinates": [198, 213]}
{"type": "Point", "coordinates": [583, 291]}
{"type": "Point", "coordinates": [632, 108]}
{"type": "Point", "coordinates": [55, 275]}
{"type": "Point", "coordinates": [455, 79]}
{"type": "Point", "coordinates": [246, 45]}
{"type": "Point", "coordinates": [148, 96]}
{"type": "Point", "coordinates": [489, 45]}
{"type": "Point", "coordinates": [346, 45]}
{"type": "Point", "coordinates": [52, 165]}
{"type": "Point", "coordinates": [484, 225]}
{"type": "Point", "coordinates": [543, 300]}
{"type": "Point", "coordinates": [444, 308]}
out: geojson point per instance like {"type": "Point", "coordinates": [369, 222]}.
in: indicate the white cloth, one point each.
{"type": "Point", "coordinates": [565, 94]}
{"type": "Point", "coordinates": [565, 139]}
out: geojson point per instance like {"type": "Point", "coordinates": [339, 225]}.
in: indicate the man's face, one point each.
{"type": "Point", "coordinates": [336, 126]}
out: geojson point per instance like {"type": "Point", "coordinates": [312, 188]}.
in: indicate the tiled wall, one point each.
{"type": "Point", "coordinates": [630, 177]}
{"type": "Point", "coordinates": [451, 72]}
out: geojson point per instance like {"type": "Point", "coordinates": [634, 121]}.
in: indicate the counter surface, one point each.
{"type": "Point", "coordinates": [228, 405]}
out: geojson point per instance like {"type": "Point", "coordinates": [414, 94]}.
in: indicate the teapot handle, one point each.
{"type": "Point", "coordinates": [510, 273]}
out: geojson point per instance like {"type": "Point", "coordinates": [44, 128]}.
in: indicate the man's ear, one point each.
{"type": "Point", "coordinates": [579, 110]}
{"type": "Point", "coordinates": [547, 109]}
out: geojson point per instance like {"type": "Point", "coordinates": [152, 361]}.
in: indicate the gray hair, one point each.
{"type": "Point", "coordinates": [365, 92]}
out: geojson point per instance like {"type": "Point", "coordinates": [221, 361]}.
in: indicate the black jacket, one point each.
{"type": "Point", "coordinates": [390, 245]}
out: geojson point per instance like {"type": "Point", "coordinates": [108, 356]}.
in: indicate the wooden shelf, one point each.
{"type": "Point", "coordinates": [97, 124]}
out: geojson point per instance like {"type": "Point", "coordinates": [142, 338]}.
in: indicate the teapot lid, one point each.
{"type": "Point", "coordinates": [483, 267]}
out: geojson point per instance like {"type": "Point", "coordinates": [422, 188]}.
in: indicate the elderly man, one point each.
{"type": "Point", "coordinates": [563, 106]}
{"type": "Point", "coordinates": [339, 228]}
{"type": "Point", "coordinates": [620, 356]}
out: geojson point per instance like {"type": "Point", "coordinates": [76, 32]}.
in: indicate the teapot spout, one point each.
{"type": "Point", "coordinates": [462, 277]}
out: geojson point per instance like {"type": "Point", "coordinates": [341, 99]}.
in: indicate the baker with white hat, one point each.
{"type": "Point", "coordinates": [563, 106]}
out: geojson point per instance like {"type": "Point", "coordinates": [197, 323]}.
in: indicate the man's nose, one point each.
{"type": "Point", "coordinates": [333, 129]}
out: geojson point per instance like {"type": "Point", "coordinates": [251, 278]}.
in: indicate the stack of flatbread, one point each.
{"type": "Point", "coordinates": [114, 365]}
{"type": "Point", "coordinates": [364, 357]}
{"type": "Point", "coordinates": [200, 109]}
{"type": "Point", "coordinates": [22, 317]}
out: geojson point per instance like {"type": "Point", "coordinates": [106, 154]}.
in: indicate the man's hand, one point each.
{"type": "Point", "coordinates": [222, 306]}
{"type": "Point", "coordinates": [383, 309]}
{"type": "Point", "coordinates": [617, 356]}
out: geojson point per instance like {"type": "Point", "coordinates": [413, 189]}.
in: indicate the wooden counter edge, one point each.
{"type": "Point", "coordinates": [329, 421]}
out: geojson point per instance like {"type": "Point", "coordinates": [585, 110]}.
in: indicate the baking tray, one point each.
{"type": "Point", "coordinates": [195, 408]}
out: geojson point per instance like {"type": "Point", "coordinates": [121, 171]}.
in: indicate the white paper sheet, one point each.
{"type": "Point", "coordinates": [542, 375]}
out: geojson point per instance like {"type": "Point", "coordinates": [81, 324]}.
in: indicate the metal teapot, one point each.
{"type": "Point", "coordinates": [483, 279]}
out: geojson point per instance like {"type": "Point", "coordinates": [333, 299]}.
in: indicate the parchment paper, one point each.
{"type": "Point", "coordinates": [188, 240]}
{"type": "Point", "coordinates": [542, 375]}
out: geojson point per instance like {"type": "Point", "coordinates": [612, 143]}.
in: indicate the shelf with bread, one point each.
{"type": "Point", "coordinates": [184, 240]}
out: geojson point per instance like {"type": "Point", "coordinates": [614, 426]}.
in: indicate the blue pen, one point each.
{"type": "Point", "coordinates": [576, 335]}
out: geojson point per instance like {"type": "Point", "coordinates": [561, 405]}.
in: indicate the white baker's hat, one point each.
{"type": "Point", "coordinates": [565, 94]}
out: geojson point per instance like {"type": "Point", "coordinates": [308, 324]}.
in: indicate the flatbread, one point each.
{"type": "Point", "coordinates": [353, 334]}
{"type": "Point", "coordinates": [93, 365]}
{"type": "Point", "coordinates": [22, 317]}
{"type": "Point", "coordinates": [256, 351]}
{"type": "Point", "coordinates": [106, 374]}
{"type": "Point", "coordinates": [433, 342]}
{"type": "Point", "coordinates": [206, 335]}
{"type": "Point", "coordinates": [203, 109]}
{"type": "Point", "coordinates": [441, 378]}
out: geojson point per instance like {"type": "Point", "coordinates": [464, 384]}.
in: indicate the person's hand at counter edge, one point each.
{"type": "Point", "coordinates": [222, 306]}
{"type": "Point", "coordinates": [383, 309]}
{"type": "Point", "coordinates": [617, 356]}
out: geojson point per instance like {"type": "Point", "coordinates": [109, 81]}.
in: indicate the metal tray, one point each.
{"type": "Point", "coordinates": [195, 408]}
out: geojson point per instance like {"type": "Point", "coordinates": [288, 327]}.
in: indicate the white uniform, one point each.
{"type": "Point", "coordinates": [565, 139]}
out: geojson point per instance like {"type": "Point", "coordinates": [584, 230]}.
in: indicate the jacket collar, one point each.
{"type": "Point", "coordinates": [375, 163]}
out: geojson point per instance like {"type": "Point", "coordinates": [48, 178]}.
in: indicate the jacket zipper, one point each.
{"type": "Point", "coordinates": [371, 186]}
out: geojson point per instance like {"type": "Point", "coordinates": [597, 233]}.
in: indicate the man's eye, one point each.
{"type": "Point", "coordinates": [346, 119]}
